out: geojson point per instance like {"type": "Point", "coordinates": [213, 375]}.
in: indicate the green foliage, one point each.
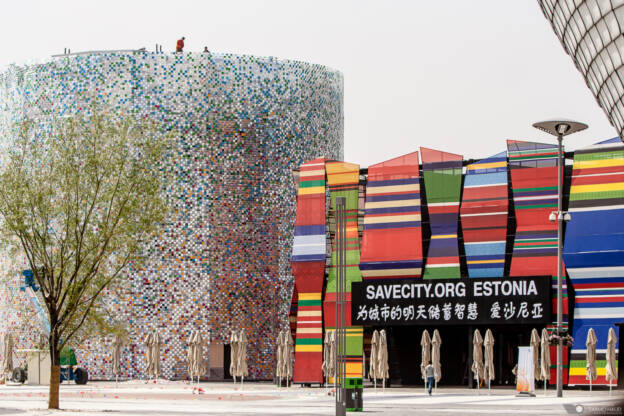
{"type": "Point", "coordinates": [79, 196]}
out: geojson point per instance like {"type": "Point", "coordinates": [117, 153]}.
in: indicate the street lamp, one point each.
{"type": "Point", "coordinates": [559, 128]}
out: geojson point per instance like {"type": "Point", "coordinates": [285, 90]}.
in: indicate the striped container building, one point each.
{"type": "Point", "coordinates": [442, 173]}
{"type": "Point", "coordinates": [392, 236]}
{"type": "Point", "coordinates": [484, 216]}
{"type": "Point", "coordinates": [594, 250]}
{"type": "Point", "coordinates": [308, 266]}
{"type": "Point", "coordinates": [343, 180]}
{"type": "Point", "coordinates": [534, 184]}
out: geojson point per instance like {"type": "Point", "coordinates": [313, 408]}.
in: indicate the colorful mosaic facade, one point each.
{"type": "Point", "coordinates": [223, 259]}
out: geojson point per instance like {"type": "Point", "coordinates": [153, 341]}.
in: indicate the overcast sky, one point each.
{"type": "Point", "coordinates": [460, 76]}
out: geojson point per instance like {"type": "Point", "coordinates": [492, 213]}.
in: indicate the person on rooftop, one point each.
{"type": "Point", "coordinates": [180, 45]}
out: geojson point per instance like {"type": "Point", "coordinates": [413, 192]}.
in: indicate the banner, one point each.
{"type": "Point", "coordinates": [525, 380]}
{"type": "Point", "coordinates": [523, 300]}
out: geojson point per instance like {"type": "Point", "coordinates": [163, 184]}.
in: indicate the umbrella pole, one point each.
{"type": "Point", "coordinates": [478, 383]}
{"type": "Point", "coordinates": [609, 387]}
{"type": "Point", "coordinates": [116, 381]}
{"type": "Point", "coordinates": [545, 386]}
{"type": "Point", "coordinates": [384, 384]}
{"type": "Point", "coordinates": [375, 383]}
{"type": "Point", "coordinates": [590, 383]}
{"type": "Point", "coordinates": [242, 380]}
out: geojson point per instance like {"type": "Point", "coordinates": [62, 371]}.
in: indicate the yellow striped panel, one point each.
{"type": "Point", "coordinates": [353, 369]}
{"type": "Point", "coordinates": [318, 330]}
{"type": "Point", "coordinates": [308, 348]}
{"type": "Point", "coordinates": [588, 164]}
{"type": "Point", "coordinates": [310, 296]}
{"type": "Point", "coordinates": [601, 187]}
{"type": "Point", "coordinates": [343, 178]}
{"type": "Point", "coordinates": [312, 173]}
{"type": "Point", "coordinates": [342, 167]}
{"type": "Point", "coordinates": [391, 218]}
{"type": "Point", "coordinates": [393, 204]}
{"type": "Point", "coordinates": [395, 188]}
{"type": "Point", "coordinates": [442, 236]}
{"type": "Point", "coordinates": [391, 272]}
{"type": "Point", "coordinates": [485, 261]}
{"type": "Point", "coordinates": [312, 190]}
{"type": "Point", "coordinates": [486, 165]}
{"type": "Point", "coordinates": [309, 313]}
{"type": "Point", "coordinates": [581, 371]}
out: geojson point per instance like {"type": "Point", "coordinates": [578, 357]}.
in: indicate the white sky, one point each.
{"type": "Point", "coordinates": [460, 76]}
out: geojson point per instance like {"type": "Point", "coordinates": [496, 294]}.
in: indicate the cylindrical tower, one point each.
{"type": "Point", "coordinates": [592, 33]}
{"type": "Point", "coordinates": [222, 261]}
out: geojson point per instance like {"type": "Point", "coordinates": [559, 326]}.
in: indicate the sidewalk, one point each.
{"type": "Point", "coordinates": [219, 398]}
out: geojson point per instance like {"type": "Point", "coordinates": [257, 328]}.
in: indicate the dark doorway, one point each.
{"type": "Point", "coordinates": [404, 352]}
{"type": "Point", "coordinates": [226, 362]}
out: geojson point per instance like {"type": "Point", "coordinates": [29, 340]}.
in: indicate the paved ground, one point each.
{"type": "Point", "coordinates": [177, 398]}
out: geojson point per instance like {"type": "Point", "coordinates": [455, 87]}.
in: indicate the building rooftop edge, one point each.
{"type": "Point", "coordinates": [214, 55]}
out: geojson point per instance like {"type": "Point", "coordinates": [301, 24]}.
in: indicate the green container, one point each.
{"type": "Point", "coordinates": [68, 357]}
{"type": "Point", "coordinates": [354, 399]}
{"type": "Point", "coordinates": [353, 383]}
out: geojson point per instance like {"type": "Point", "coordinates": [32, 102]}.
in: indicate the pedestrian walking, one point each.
{"type": "Point", "coordinates": [180, 45]}
{"type": "Point", "coordinates": [430, 374]}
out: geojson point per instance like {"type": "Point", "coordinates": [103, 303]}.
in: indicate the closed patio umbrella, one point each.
{"type": "Point", "coordinates": [326, 356]}
{"type": "Point", "coordinates": [372, 365]}
{"type": "Point", "coordinates": [242, 355]}
{"type": "Point", "coordinates": [234, 354]}
{"type": "Point", "coordinates": [590, 368]}
{"type": "Point", "coordinates": [149, 362]}
{"type": "Point", "coordinates": [488, 371]}
{"type": "Point", "coordinates": [279, 354]}
{"type": "Point", "coordinates": [333, 363]}
{"type": "Point", "coordinates": [190, 355]}
{"type": "Point", "coordinates": [156, 356]}
{"type": "Point", "coordinates": [436, 342]}
{"type": "Point", "coordinates": [288, 351]}
{"type": "Point", "coordinates": [382, 360]}
{"type": "Point", "coordinates": [197, 350]}
{"type": "Point", "coordinates": [535, 343]}
{"type": "Point", "coordinates": [425, 354]}
{"type": "Point", "coordinates": [545, 359]}
{"type": "Point", "coordinates": [611, 366]}
{"type": "Point", "coordinates": [116, 357]}
{"type": "Point", "coordinates": [477, 357]}
{"type": "Point", "coordinates": [7, 356]}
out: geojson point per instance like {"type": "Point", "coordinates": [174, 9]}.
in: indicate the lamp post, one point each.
{"type": "Point", "coordinates": [341, 305]}
{"type": "Point", "coordinates": [559, 128]}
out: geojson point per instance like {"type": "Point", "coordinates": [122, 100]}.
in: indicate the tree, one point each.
{"type": "Point", "coordinates": [79, 197]}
